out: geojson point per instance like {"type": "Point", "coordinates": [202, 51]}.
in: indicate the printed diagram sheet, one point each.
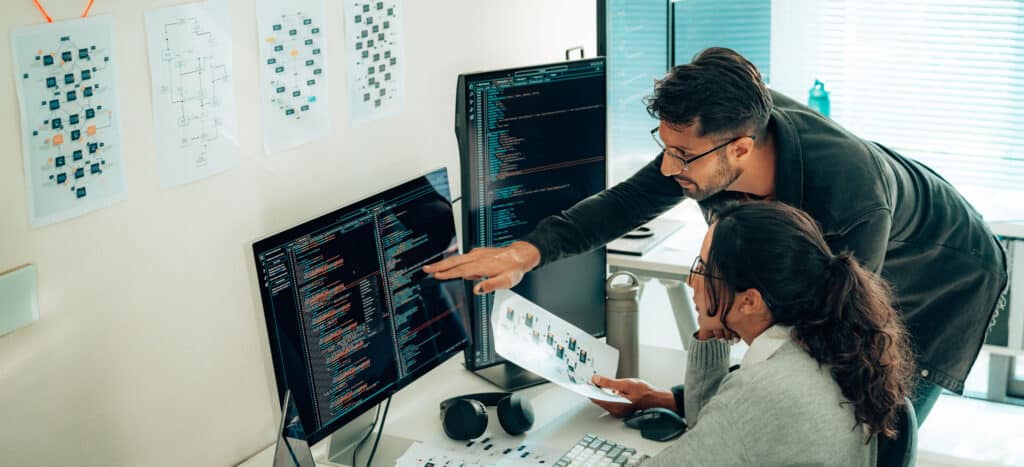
{"type": "Point", "coordinates": [488, 450]}
{"type": "Point", "coordinates": [293, 72]}
{"type": "Point", "coordinates": [70, 120]}
{"type": "Point", "coordinates": [193, 98]}
{"type": "Point", "coordinates": [376, 71]}
{"type": "Point", "coordinates": [547, 345]}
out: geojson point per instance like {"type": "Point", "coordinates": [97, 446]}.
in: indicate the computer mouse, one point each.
{"type": "Point", "coordinates": [657, 424]}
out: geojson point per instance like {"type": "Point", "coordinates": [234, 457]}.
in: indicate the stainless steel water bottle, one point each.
{"type": "Point", "coordinates": [622, 312]}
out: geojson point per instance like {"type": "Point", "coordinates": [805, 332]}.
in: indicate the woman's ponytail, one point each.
{"type": "Point", "coordinates": [859, 335]}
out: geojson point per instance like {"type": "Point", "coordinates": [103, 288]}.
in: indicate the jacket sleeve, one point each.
{"type": "Point", "coordinates": [867, 238]}
{"type": "Point", "coordinates": [678, 393]}
{"type": "Point", "coordinates": [607, 215]}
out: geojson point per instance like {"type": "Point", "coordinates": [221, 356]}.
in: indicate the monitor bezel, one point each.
{"type": "Point", "coordinates": [482, 73]}
{"type": "Point", "coordinates": [273, 240]}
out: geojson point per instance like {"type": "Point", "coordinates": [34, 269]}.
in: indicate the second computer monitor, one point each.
{"type": "Point", "coordinates": [532, 143]}
{"type": "Point", "coordinates": [351, 316]}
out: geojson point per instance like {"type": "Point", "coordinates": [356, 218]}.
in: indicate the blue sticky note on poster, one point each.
{"type": "Point", "coordinates": [18, 304]}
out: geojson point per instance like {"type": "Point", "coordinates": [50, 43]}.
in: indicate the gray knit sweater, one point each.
{"type": "Point", "coordinates": [782, 411]}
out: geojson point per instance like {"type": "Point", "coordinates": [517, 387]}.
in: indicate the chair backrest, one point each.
{"type": "Point", "coordinates": [901, 451]}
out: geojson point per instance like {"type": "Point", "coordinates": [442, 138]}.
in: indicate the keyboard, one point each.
{"type": "Point", "coordinates": [597, 451]}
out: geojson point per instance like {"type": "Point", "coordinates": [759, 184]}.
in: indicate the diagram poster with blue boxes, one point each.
{"type": "Point", "coordinates": [70, 119]}
{"type": "Point", "coordinates": [376, 51]}
{"type": "Point", "coordinates": [293, 72]}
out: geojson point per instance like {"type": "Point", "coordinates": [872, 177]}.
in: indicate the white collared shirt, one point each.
{"type": "Point", "coordinates": [766, 344]}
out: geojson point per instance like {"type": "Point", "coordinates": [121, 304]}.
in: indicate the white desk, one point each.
{"type": "Point", "coordinates": [669, 263]}
{"type": "Point", "coordinates": [562, 417]}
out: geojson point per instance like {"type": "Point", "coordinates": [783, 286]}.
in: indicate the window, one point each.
{"type": "Point", "coordinates": [741, 25]}
{"type": "Point", "coordinates": [941, 82]}
{"type": "Point", "coordinates": [637, 52]}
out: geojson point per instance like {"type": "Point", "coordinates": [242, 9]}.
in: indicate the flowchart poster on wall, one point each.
{"type": "Point", "coordinates": [293, 72]}
{"type": "Point", "coordinates": [70, 120]}
{"type": "Point", "coordinates": [196, 124]}
{"type": "Point", "coordinates": [376, 72]}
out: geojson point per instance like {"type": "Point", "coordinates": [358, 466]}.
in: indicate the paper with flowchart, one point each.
{"type": "Point", "coordinates": [487, 450]}
{"type": "Point", "coordinates": [535, 339]}
{"type": "Point", "coordinates": [376, 51]}
{"type": "Point", "coordinates": [293, 72]}
{"type": "Point", "coordinates": [70, 117]}
{"type": "Point", "coordinates": [193, 94]}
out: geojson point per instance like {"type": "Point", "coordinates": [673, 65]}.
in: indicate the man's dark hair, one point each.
{"type": "Point", "coordinates": [719, 89]}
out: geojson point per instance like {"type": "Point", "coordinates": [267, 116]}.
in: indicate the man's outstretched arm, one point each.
{"type": "Point", "coordinates": [587, 225]}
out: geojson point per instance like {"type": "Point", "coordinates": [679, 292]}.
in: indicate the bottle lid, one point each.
{"type": "Point", "coordinates": [627, 289]}
{"type": "Point", "coordinates": [818, 89]}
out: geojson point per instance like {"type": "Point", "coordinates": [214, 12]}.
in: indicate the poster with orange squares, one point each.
{"type": "Point", "coordinates": [70, 120]}
{"type": "Point", "coordinates": [293, 72]}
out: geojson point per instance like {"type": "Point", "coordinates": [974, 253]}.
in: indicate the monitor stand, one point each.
{"type": "Point", "coordinates": [388, 451]}
{"type": "Point", "coordinates": [344, 441]}
{"type": "Point", "coordinates": [509, 377]}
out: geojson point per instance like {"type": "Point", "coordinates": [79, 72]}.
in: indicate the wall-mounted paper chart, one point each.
{"type": "Point", "coordinates": [293, 72]}
{"type": "Point", "coordinates": [70, 120]}
{"type": "Point", "coordinates": [193, 97]}
{"type": "Point", "coordinates": [376, 71]}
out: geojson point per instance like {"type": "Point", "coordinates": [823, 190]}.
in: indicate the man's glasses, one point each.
{"type": "Point", "coordinates": [682, 157]}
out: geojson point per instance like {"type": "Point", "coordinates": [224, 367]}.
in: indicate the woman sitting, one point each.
{"type": "Point", "coordinates": [829, 362]}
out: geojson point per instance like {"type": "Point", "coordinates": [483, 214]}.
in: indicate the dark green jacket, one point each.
{"type": "Point", "coordinates": [895, 214]}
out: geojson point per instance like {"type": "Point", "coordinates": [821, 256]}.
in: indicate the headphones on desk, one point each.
{"type": "Point", "coordinates": [465, 417]}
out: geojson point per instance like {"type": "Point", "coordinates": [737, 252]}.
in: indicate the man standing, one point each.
{"type": "Point", "coordinates": [727, 138]}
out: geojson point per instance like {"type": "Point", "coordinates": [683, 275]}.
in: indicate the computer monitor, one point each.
{"type": "Point", "coordinates": [351, 317]}
{"type": "Point", "coordinates": [532, 142]}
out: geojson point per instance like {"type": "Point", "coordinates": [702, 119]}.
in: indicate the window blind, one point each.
{"type": "Point", "coordinates": [741, 25]}
{"type": "Point", "coordinates": [637, 55]}
{"type": "Point", "coordinates": [939, 81]}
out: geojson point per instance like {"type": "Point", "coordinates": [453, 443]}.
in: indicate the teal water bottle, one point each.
{"type": "Point", "coordinates": [817, 98]}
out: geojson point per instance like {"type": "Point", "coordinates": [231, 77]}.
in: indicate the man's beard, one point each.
{"type": "Point", "coordinates": [724, 177]}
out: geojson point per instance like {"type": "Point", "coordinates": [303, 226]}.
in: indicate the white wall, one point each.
{"type": "Point", "coordinates": [151, 347]}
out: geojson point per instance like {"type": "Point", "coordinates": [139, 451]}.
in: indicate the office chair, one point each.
{"type": "Point", "coordinates": [902, 451]}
